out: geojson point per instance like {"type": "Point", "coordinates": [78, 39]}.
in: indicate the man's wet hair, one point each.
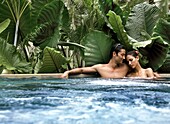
{"type": "Point", "coordinates": [116, 48]}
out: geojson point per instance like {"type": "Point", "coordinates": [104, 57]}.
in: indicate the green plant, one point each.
{"type": "Point", "coordinates": [87, 28]}
{"type": "Point", "coordinates": [10, 59]}
{"type": "Point", "coordinates": [42, 21]}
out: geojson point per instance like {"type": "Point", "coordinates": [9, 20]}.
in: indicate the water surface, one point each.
{"type": "Point", "coordinates": [84, 101]}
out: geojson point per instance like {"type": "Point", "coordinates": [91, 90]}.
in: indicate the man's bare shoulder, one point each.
{"type": "Point", "coordinates": [99, 65]}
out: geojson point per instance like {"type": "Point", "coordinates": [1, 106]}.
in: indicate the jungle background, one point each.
{"type": "Point", "coordinates": [52, 36]}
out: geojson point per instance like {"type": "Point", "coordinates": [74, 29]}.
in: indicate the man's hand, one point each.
{"type": "Point", "coordinates": [65, 74]}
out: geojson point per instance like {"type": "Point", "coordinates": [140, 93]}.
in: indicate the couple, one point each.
{"type": "Point", "coordinates": [115, 68]}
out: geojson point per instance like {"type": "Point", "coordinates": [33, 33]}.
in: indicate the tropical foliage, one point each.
{"type": "Point", "coordinates": [52, 36]}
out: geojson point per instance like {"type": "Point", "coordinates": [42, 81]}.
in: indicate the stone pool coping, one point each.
{"type": "Point", "coordinates": [54, 75]}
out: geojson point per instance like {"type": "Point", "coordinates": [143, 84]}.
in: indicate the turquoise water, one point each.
{"type": "Point", "coordinates": [84, 101]}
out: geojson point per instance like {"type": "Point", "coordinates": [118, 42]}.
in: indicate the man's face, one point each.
{"type": "Point", "coordinates": [121, 56]}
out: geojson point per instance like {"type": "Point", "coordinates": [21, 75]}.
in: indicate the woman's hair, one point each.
{"type": "Point", "coordinates": [116, 48]}
{"type": "Point", "coordinates": [133, 53]}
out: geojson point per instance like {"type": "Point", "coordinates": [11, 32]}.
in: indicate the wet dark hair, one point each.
{"type": "Point", "coordinates": [133, 53]}
{"type": "Point", "coordinates": [116, 48]}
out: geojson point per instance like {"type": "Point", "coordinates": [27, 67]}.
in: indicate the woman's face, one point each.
{"type": "Point", "coordinates": [132, 61]}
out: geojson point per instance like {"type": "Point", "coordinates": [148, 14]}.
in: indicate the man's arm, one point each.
{"type": "Point", "coordinates": [79, 71]}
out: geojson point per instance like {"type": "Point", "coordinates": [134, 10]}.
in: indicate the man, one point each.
{"type": "Point", "coordinates": [115, 68]}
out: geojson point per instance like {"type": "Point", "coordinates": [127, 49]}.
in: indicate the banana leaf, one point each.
{"type": "Point", "coordinates": [11, 59]}
{"type": "Point", "coordinates": [52, 61]}
{"type": "Point", "coordinates": [141, 21]}
{"type": "Point", "coordinates": [117, 26]}
{"type": "Point", "coordinates": [4, 25]}
{"type": "Point", "coordinates": [163, 29]}
{"type": "Point", "coordinates": [98, 47]}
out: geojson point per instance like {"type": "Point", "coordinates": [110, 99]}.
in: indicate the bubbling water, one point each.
{"type": "Point", "coordinates": [84, 101]}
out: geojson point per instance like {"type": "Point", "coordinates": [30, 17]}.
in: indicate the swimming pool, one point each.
{"type": "Point", "coordinates": [84, 101]}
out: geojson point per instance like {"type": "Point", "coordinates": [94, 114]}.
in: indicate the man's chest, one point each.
{"type": "Point", "coordinates": [112, 73]}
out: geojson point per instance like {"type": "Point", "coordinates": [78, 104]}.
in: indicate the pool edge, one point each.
{"type": "Point", "coordinates": [39, 76]}
{"type": "Point", "coordinates": [53, 75]}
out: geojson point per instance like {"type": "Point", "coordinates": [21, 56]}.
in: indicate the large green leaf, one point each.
{"type": "Point", "coordinates": [163, 29]}
{"type": "Point", "coordinates": [54, 12]}
{"type": "Point", "coordinates": [165, 68]}
{"type": "Point", "coordinates": [140, 26]}
{"type": "Point", "coordinates": [155, 50]}
{"type": "Point", "coordinates": [129, 5]}
{"type": "Point", "coordinates": [116, 24]}
{"type": "Point", "coordinates": [11, 60]}
{"type": "Point", "coordinates": [52, 61]}
{"type": "Point", "coordinates": [98, 46]}
{"type": "Point", "coordinates": [4, 25]}
{"type": "Point", "coordinates": [141, 21]}
{"type": "Point", "coordinates": [158, 52]}
{"type": "Point", "coordinates": [25, 22]}
{"type": "Point", "coordinates": [55, 15]}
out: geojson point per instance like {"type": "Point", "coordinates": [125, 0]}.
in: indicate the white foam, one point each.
{"type": "Point", "coordinates": [125, 83]}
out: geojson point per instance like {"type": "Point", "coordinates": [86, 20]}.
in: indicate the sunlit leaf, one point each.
{"type": "Point", "coordinates": [4, 25]}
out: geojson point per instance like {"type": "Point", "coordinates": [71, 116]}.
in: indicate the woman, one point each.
{"type": "Point", "coordinates": [132, 58]}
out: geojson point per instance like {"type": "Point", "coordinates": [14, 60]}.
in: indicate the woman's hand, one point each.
{"type": "Point", "coordinates": [156, 75]}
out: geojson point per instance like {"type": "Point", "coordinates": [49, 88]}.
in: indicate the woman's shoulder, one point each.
{"type": "Point", "coordinates": [148, 70]}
